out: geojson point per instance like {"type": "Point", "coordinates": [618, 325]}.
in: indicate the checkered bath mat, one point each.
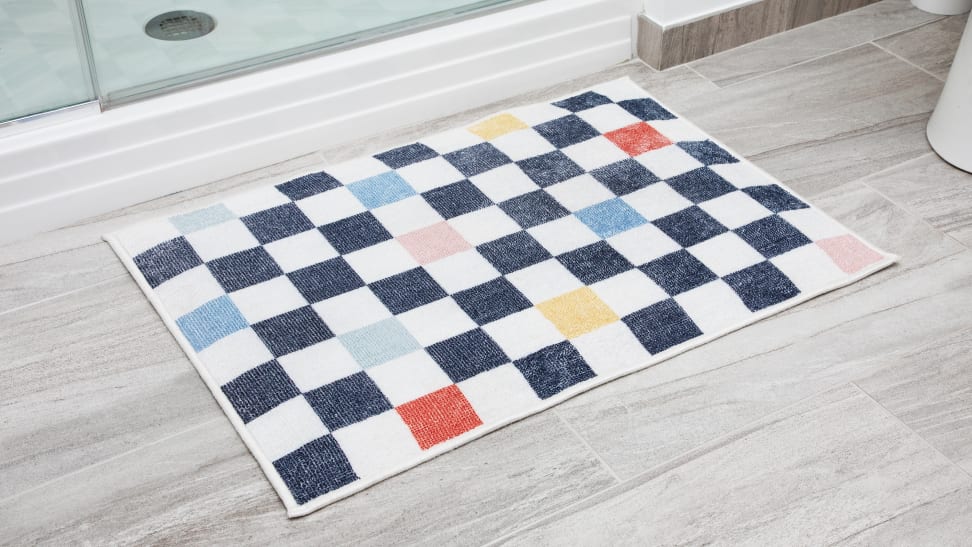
{"type": "Point", "coordinates": [358, 321]}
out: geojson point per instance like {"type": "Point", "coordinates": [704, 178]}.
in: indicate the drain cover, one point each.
{"type": "Point", "coordinates": [180, 25]}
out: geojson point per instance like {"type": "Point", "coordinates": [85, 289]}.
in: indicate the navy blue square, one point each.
{"type": "Point", "coordinates": [348, 401]}
{"type": "Point", "coordinates": [595, 262]}
{"type": "Point", "coordinates": [772, 236]}
{"type": "Point", "coordinates": [661, 326]}
{"type": "Point", "coordinates": [761, 285]}
{"type": "Point", "coordinates": [707, 152]}
{"type": "Point", "coordinates": [466, 355]}
{"type": "Point", "coordinates": [588, 99]}
{"type": "Point", "coordinates": [259, 390]}
{"type": "Point", "coordinates": [492, 300]}
{"type": "Point", "coordinates": [678, 272]}
{"type": "Point", "coordinates": [566, 131]}
{"type": "Point", "coordinates": [477, 159]}
{"type": "Point", "coordinates": [690, 226]}
{"type": "Point", "coordinates": [308, 185]}
{"type": "Point", "coordinates": [315, 469]}
{"type": "Point", "coordinates": [775, 198]}
{"type": "Point", "coordinates": [326, 279]}
{"type": "Point", "coordinates": [292, 331]}
{"type": "Point", "coordinates": [646, 109]}
{"type": "Point", "coordinates": [167, 260]}
{"type": "Point", "coordinates": [277, 223]}
{"type": "Point", "coordinates": [554, 369]}
{"type": "Point", "coordinates": [407, 290]}
{"type": "Point", "coordinates": [457, 199]}
{"type": "Point", "coordinates": [700, 185]}
{"type": "Point", "coordinates": [532, 209]}
{"type": "Point", "coordinates": [406, 155]}
{"type": "Point", "coordinates": [624, 177]}
{"type": "Point", "coordinates": [353, 233]}
{"type": "Point", "coordinates": [513, 252]}
{"type": "Point", "coordinates": [550, 168]}
{"type": "Point", "coordinates": [240, 270]}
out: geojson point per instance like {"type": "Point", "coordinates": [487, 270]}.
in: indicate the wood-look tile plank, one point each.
{"type": "Point", "coordinates": [944, 522]}
{"type": "Point", "coordinates": [821, 470]}
{"type": "Point", "coordinates": [929, 46]}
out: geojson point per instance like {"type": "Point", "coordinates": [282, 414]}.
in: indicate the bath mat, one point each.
{"type": "Point", "coordinates": [356, 322]}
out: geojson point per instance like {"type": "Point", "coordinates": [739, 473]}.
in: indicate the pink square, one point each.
{"type": "Point", "coordinates": [849, 253]}
{"type": "Point", "coordinates": [432, 243]}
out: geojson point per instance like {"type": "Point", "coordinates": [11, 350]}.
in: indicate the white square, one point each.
{"type": "Point", "coordinates": [809, 268]}
{"type": "Point", "coordinates": [450, 141]}
{"type": "Point", "coordinates": [301, 250]}
{"type": "Point", "coordinates": [255, 200]}
{"type": "Point", "coordinates": [378, 445]}
{"type": "Point", "coordinates": [235, 354]}
{"type": "Point", "coordinates": [461, 271]}
{"type": "Point", "coordinates": [544, 281]}
{"type": "Point", "coordinates": [520, 145]}
{"type": "Point", "coordinates": [437, 321]}
{"type": "Point", "coordinates": [726, 253]}
{"type": "Point", "coordinates": [611, 349]}
{"type": "Point", "coordinates": [352, 310]}
{"type": "Point", "coordinates": [330, 206]}
{"type": "Point", "coordinates": [523, 333]}
{"type": "Point", "coordinates": [742, 174]}
{"type": "Point", "coordinates": [564, 234]}
{"type": "Point", "coordinates": [580, 192]}
{"type": "Point", "coordinates": [267, 299]}
{"type": "Point", "coordinates": [735, 209]}
{"type": "Point", "coordinates": [357, 169]}
{"type": "Point", "coordinates": [536, 114]}
{"type": "Point", "coordinates": [668, 161]}
{"type": "Point", "coordinates": [677, 130]}
{"type": "Point", "coordinates": [594, 153]}
{"type": "Point", "coordinates": [484, 225]}
{"type": "Point", "coordinates": [188, 290]}
{"type": "Point", "coordinates": [409, 377]}
{"type": "Point", "coordinates": [503, 183]}
{"type": "Point", "coordinates": [380, 261]}
{"type": "Point", "coordinates": [407, 215]}
{"type": "Point", "coordinates": [813, 223]}
{"type": "Point", "coordinates": [656, 201]}
{"type": "Point", "coordinates": [221, 240]}
{"type": "Point", "coordinates": [428, 174]}
{"type": "Point", "coordinates": [517, 399]}
{"type": "Point", "coordinates": [286, 428]}
{"type": "Point", "coordinates": [145, 235]}
{"type": "Point", "coordinates": [643, 244]}
{"type": "Point", "coordinates": [714, 307]}
{"type": "Point", "coordinates": [608, 117]}
{"type": "Point", "coordinates": [629, 292]}
{"type": "Point", "coordinates": [318, 365]}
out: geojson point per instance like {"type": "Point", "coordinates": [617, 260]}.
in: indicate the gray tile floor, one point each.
{"type": "Point", "coordinates": [846, 420]}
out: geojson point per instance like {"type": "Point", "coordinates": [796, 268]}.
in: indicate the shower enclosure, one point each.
{"type": "Point", "coordinates": [58, 54]}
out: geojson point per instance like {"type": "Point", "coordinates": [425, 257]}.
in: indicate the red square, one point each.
{"type": "Point", "coordinates": [439, 416]}
{"type": "Point", "coordinates": [638, 138]}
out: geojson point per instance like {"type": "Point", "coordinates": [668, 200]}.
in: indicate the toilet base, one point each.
{"type": "Point", "coordinates": [943, 7]}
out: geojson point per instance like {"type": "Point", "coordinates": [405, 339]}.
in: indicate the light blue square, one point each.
{"type": "Point", "coordinates": [379, 343]}
{"type": "Point", "coordinates": [211, 322]}
{"type": "Point", "coordinates": [381, 189]}
{"type": "Point", "coordinates": [202, 218]}
{"type": "Point", "coordinates": [610, 217]}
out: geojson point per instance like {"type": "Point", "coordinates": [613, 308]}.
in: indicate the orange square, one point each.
{"type": "Point", "coordinates": [577, 312]}
{"type": "Point", "coordinates": [439, 416]}
{"type": "Point", "coordinates": [638, 138]}
{"type": "Point", "coordinates": [497, 126]}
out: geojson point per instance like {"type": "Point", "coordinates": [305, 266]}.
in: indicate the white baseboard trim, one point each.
{"type": "Point", "coordinates": [59, 174]}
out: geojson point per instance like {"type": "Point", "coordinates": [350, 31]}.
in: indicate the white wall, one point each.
{"type": "Point", "coordinates": [675, 12]}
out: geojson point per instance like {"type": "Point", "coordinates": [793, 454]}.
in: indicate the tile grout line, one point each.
{"type": "Point", "coordinates": [587, 445]}
{"type": "Point", "coordinates": [107, 460]}
{"type": "Point", "coordinates": [898, 419]}
{"type": "Point", "coordinates": [899, 57]}
{"type": "Point", "coordinates": [61, 295]}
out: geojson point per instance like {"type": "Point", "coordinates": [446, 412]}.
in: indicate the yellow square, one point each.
{"type": "Point", "coordinates": [501, 124]}
{"type": "Point", "coordinates": [577, 312]}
